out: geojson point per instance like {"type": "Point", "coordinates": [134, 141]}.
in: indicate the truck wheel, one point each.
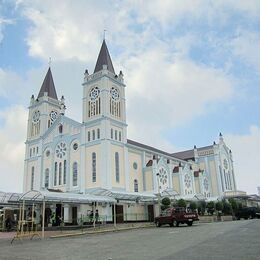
{"type": "Point", "coordinates": [174, 223]}
{"type": "Point", "coordinates": [157, 223]}
{"type": "Point", "coordinates": [190, 223]}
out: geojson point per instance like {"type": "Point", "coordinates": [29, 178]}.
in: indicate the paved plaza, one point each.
{"type": "Point", "coordinates": [222, 240]}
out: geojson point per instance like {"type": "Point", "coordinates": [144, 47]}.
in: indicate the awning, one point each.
{"type": "Point", "coordinates": [123, 195]}
{"type": "Point", "coordinates": [57, 197]}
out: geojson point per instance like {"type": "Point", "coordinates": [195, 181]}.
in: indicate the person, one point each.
{"type": "Point", "coordinates": [96, 216]}
{"type": "Point", "coordinates": [8, 223]}
{"type": "Point", "coordinates": [91, 216]}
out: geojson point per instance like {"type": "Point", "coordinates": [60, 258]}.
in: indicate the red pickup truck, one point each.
{"type": "Point", "coordinates": [175, 216]}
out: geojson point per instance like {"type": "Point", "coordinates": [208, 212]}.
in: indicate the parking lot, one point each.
{"type": "Point", "coordinates": [221, 240]}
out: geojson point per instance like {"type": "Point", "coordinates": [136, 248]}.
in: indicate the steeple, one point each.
{"type": "Point", "coordinates": [104, 59]}
{"type": "Point", "coordinates": [48, 86]}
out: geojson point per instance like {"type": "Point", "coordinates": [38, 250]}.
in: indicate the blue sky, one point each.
{"type": "Point", "coordinates": [193, 66]}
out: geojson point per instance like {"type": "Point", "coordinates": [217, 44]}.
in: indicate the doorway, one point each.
{"type": "Point", "coordinates": [119, 214]}
{"type": "Point", "coordinates": [150, 213]}
{"type": "Point", "coordinates": [74, 215]}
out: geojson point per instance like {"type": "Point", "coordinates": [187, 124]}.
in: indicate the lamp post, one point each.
{"type": "Point", "coordinates": [159, 194]}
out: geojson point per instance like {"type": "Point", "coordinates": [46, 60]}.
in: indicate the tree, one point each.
{"type": "Point", "coordinates": [211, 207]}
{"type": "Point", "coordinates": [181, 203]}
{"type": "Point", "coordinates": [201, 207]}
{"type": "Point", "coordinates": [234, 205]}
{"type": "Point", "coordinates": [226, 207]}
{"type": "Point", "coordinates": [219, 206]}
{"type": "Point", "coordinates": [165, 203]}
{"type": "Point", "coordinates": [193, 205]}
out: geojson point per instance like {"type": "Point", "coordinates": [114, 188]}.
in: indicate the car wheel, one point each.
{"type": "Point", "coordinates": [174, 223]}
{"type": "Point", "coordinates": [157, 223]}
{"type": "Point", "coordinates": [190, 223]}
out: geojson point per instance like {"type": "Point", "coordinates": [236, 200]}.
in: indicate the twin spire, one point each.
{"type": "Point", "coordinates": [103, 59]}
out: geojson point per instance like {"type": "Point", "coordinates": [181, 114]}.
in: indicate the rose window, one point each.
{"type": "Point", "coordinates": [36, 116]}
{"type": "Point", "coordinates": [61, 150]}
{"type": "Point", "coordinates": [94, 93]}
{"type": "Point", "coordinates": [162, 176]}
{"type": "Point", "coordinates": [114, 94]}
{"type": "Point", "coordinates": [206, 184]}
{"type": "Point", "coordinates": [187, 180]}
{"type": "Point", "coordinates": [53, 116]}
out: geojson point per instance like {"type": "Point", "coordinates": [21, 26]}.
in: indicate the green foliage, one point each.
{"type": "Point", "coordinates": [201, 207]}
{"type": "Point", "coordinates": [164, 207]}
{"type": "Point", "coordinates": [219, 206]}
{"type": "Point", "coordinates": [211, 207]}
{"type": "Point", "coordinates": [181, 203]}
{"type": "Point", "coordinates": [193, 205]}
{"type": "Point", "coordinates": [234, 205]}
{"type": "Point", "coordinates": [227, 209]}
{"type": "Point", "coordinates": [166, 201]}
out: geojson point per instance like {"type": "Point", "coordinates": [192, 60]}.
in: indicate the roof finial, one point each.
{"type": "Point", "coordinates": [104, 34]}
{"type": "Point", "coordinates": [49, 62]}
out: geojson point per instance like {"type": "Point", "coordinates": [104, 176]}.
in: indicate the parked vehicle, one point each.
{"type": "Point", "coordinates": [176, 216]}
{"type": "Point", "coordinates": [247, 212]}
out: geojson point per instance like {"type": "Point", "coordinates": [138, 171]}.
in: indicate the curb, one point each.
{"type": "Point", "coordinates": [100, 231]}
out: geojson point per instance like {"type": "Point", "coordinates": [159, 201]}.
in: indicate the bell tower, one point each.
{"type": "Point", "coordinates": [104, 121]}
{"type": "Point", "coordinates": [104, 97]}
{"type": "Point", "coordinates": [43, 111]}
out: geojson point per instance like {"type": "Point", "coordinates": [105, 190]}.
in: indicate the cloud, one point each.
{"type": "Point", "coordinates": [12, 135]}
{"type": "Point", "coordinates": [246, 154]}
{"type": "Point", "coordinates": [3, 23]}
{"type": "Point", "coordinates": [246, 46]}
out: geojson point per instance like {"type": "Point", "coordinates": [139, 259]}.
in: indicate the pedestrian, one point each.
{"type": "Point", "coordinates": [96, 216]}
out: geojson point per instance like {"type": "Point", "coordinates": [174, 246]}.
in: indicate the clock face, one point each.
{"type": "Point", "coordinates": [94, 93]}
{"type": "Point", "coordinates": [114, 94]}
{"type": "Point", "coordinates": [53, 116]}
{"type": "Point", "coordinates": [36, 116]}
{"type": "Point", "coordinates": [225, 163]}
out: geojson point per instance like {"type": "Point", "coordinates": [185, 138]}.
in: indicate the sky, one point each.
{"type": "Point", "coordinates": [192, 66]}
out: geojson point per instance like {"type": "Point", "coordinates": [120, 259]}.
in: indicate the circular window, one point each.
{"type": "Point", "coordinates": [162, 176]}
{"type": "Point", "coordinates": [135, 165]}
{"type": "Point", "coordinates": [48, 153]}
{"type": "Point", "coordinates": [114, 93]}
{"type": "Point", "coordinates": [61, 150]}
{"type": "Point", "coordinates": [94, 93]}
{"type": "Point", "coordinates": [75, 146]}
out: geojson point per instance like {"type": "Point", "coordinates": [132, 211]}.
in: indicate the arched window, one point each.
{"type": "Point", "coordinates": [94, 170]}
{"type": "Point", "coordinates": [60, 173]}
{"type": "Point", "coordinates": [32, 178]}
{"type": "Point", "coordinates": [115, 103]}
{"type": "Point", "coordinates": [117, 166]}
{"type": "Point", "coordinates": [93, 135]}
{"type": "Point", "coordinates": [89, 136]}
{"type": "Point", "coordinates": [112, 133]}
{"type": "Point", "coordinates": [120, 137]}
{"type": "Point", "coordinates": [75, 173]}
{"type": "Point", "coordinates": [46, 180]}
{"type": "Point", "coordinates": [94, 103]}
{"type": "Point", "coordinates": [135, 185]}
{"type": "Point", "coordinates": [116, 134]}
{"type": "Point", "coordinates": [98, 133]}
{"type": "Point", "coordinates": [55, 173]}
{"type": "Point", "coordinates": [64, 171]}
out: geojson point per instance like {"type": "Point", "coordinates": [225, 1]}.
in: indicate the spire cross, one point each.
{"type": "Point", "coordinates": [104, 34]}
{"type": "Point", "coordinates": [49, 62]}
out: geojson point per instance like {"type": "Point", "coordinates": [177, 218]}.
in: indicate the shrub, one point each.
{"type": "Point", "coordinates": [211, 207]}
{"type": "Point", "coordinates": [193, 205]}
{"type": "Point", "coordinates": [181, 203]}
{"type": "Point", "coordinates": [201, 207]}
{"type": "Point", "coordinates": [226, 208]}
{"type": "Point", "coordinates": [166, 201]}
{"type": "Point", "coordinates": [219, 206]}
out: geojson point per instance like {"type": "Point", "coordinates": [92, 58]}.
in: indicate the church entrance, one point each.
{"type": "Point", "coordinates": [119, 214]}
{"type": "Point", "coordinates": [74, 215]}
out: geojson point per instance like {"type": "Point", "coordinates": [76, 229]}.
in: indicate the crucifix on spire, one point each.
{"type": "Point", "coordinates": [49, 62]}
{"type": "Point", "coordinates": [104, 34]}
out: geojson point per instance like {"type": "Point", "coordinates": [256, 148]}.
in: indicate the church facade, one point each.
{"type": "Point", "coordinates": [95, 156]}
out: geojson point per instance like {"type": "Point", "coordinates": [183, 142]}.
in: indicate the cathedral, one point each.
{"type": "Point", "coordinates": [95, 156]}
